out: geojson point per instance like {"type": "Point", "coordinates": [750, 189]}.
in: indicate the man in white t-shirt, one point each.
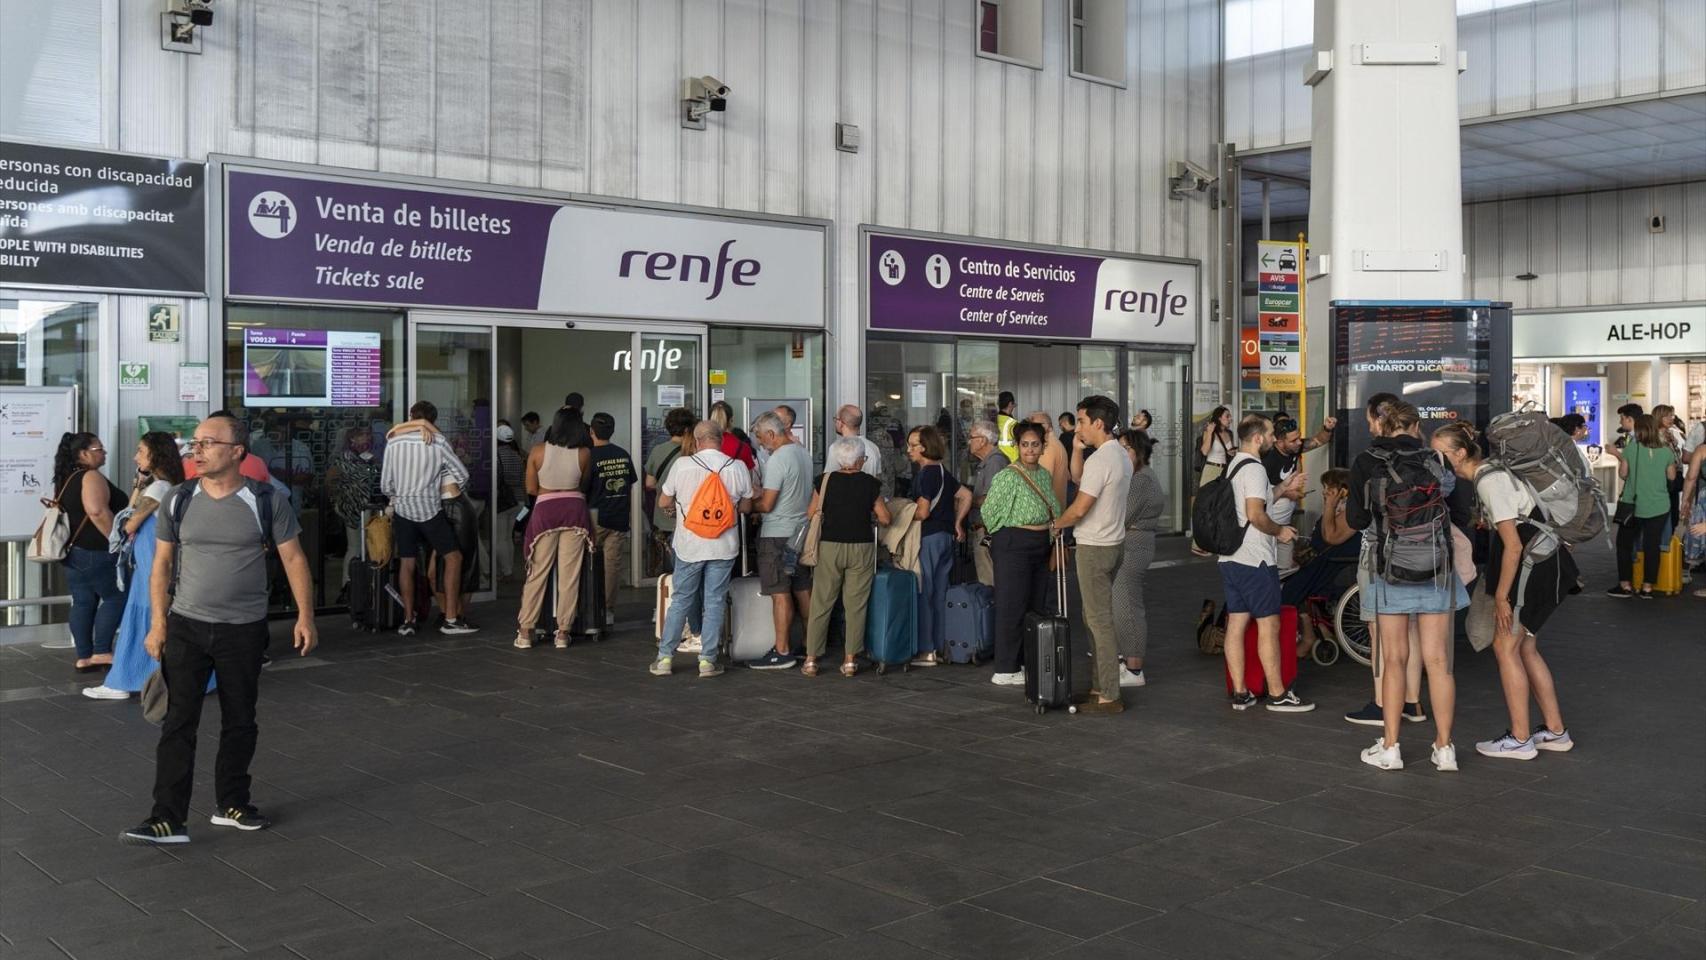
{"type": "Point", "coordinates": [702, 565]}
{"type": "Point", "coordinates": [848, 420]}
{"type": "Point", "coordinates": [1250, 575]}
{"type": "Point", "coordinates": [1098, 515]}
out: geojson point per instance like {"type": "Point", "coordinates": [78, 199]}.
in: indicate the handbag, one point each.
{"type": "Point", "coordinates": [380, 545]}
{"type": "Point", "coordinates": [53, 536]}
{"type": "Point", "coordinates": [1625, 512]}
{"type": "Point", "coordinates": [1053, 555]}
{"type": "Point", "coordinates": [1481, 622]}
{"type": "Point", "coordinates": [806, 539]}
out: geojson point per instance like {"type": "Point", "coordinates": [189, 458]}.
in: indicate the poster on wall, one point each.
{"type": "Point", "coordinates": [929, 285]}
{"type": "Point", "coordinates": [1586, 396]}
{"type": "Point", "coordinates": [1451, 360]}
{"type": "Point", "coordinates": [96, 220]}
{"type": "Point", "coordinates": [31, 422]}
{"type": "Point", "coordinates": [311, 368]}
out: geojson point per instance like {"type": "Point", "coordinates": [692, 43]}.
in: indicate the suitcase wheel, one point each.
{"type": "Point", "coordinates": [1072, 709]}
{"type": "Point", "coordinates": [1041, 709]}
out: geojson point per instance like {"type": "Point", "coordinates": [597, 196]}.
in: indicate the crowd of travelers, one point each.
{"type": "Point", "coordinates": [176, 573]}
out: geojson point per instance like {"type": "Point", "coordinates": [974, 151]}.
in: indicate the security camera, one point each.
{"type": "Point", "coordinates": [200, 11]}
{"type": "Point", "coordinates": [699, 96]}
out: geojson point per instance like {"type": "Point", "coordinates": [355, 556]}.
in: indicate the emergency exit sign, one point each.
{"type": "Point", "coordinates": [1279, 319]}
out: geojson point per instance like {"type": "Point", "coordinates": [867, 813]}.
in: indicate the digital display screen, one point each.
{"type": "Point", "coordinates": [1443, 359]}
{"type": "Point", "coordinates": [1586, 397]}
{"type": "Point", "coordinates": [311, 368]}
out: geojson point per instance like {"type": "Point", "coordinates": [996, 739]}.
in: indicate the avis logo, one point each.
{"type": "Point", "coordinates": [694, 268]}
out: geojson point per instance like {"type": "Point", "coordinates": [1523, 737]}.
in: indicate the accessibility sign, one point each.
{"type": "Point", "coordinates": [1279, 325]}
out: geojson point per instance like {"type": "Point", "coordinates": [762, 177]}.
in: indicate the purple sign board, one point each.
{"type": "Point", "coordinates": [928, 285]}
{"type": "Point", "coordinates": [292, 236]}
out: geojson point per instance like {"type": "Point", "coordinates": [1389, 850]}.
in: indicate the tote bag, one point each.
{"type": "Point", "coordinates": [52, 540]}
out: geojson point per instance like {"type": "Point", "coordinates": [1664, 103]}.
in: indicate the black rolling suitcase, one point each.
{"type": "Point", "coordinates": [589, 612]}
{"type": "Point", "coordinates": [371, 604]}
{"type": "Point", "coordinates": [1048, 647]}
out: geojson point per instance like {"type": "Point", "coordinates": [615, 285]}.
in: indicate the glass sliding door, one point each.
{"type": "Point", "coordinates": [1160, 383]}
{"type": "Point", "coordinates": [454, 370]}
{"type": "Point", "coordinates": [908, 383]}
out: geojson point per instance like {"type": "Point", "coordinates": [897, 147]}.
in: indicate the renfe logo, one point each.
{"type": "Point", "coordinates": [681, 268]}
{"type": "Point", "coordinates": [1160, 305]}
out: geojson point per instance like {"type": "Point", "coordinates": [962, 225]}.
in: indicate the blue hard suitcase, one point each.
{"type": "Point", "coordinates": [970, 624]}
{"type": "Point", "coordinates": [891, 620]}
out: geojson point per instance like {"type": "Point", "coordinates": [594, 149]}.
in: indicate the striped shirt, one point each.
{"type": "Point", "coordinates": [414, 470]}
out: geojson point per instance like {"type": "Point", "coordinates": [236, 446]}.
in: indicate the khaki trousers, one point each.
{"type": "Point", "coordinates": [558, 551]}
{"type": "Point", "coordinates": [612, 545]}
{"type": "Point", "coordinates": [844, 571]}
{"type": "Point", "coordinates": [1097, 567]}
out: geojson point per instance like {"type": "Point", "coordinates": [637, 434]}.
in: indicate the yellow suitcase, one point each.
{"type": "Point", "coordinates": [1669, 581]}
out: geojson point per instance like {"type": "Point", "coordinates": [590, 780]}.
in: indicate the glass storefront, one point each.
{"type": "Point", "coordinates": [47, 343]}
{"type": "Point", "coordinates": [305, 443]}
{"type": "Point", "coordinates": [759, 366]}
{"type": "Point", "coordinates": [911, 382]}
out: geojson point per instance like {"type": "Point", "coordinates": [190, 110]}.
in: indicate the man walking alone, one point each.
{"type": "Point", "coordinates": [209, 593]}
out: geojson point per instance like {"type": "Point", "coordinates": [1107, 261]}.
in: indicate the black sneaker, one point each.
{"type": "Point", "coordinates": [243, 818]}
{"type": "Point", "coordinates": [1289, 702]}
{"type": "Point", "coordinates": [1369, 716]}
{"type": "Point", "coordinates": [1620, 592]}
{"type": "Point", "coordinates": [1243, 701]}
{"type": "Point", "coordinates": [1645, 594]}
{"type": "Point", "coordinates": [155, 830]}
{"type": "Point", "coordinates": [1414, 713]}
{"type": "Point", "coordinates": [772, 661]}
{"type": "Point", "coordinates": [457, 627]}
{"type": "Point", "coordinates": [406, 628]}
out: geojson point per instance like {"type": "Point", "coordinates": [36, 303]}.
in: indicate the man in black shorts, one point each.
{"type": "Point", "coordinates": [418, 463]}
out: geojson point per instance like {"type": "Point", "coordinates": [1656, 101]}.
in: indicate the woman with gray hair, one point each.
{"type": "Point", "coordinates": [846, 552]}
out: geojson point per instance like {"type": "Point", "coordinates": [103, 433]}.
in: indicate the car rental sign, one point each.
{"type": "Point", "coordinates": [928, 285]}
{"type": "Point", "coordinates": [303, 237]}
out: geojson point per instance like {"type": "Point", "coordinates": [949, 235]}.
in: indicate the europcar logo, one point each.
{"type": "Point", "coordinates": [272, 215]}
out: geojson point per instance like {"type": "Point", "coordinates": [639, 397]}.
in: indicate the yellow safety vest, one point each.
{"type": "Point", "coordinates": [1004, 426]}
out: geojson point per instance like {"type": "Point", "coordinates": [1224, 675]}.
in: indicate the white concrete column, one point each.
{"type": "Point", "coordinates": [1386, 197]}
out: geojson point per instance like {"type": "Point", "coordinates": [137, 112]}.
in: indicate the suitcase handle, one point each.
{"type": "Point", "coordinates": [1059, 547]}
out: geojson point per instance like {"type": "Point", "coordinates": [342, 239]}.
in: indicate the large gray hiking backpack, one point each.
{"type": "Point", "coordinates": [1545, 460]}
{"type": "Point", "coordinates": [1412, 526]}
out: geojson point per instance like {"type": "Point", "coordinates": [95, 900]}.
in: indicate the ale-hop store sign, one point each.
{"type": "Point", "coordinates": [927, 285]}
{"type": "Point", "coordinates": [1602, 334]}
{"type": "Point", "coordinates": [296, 236]}
{"type": "Point", "coordinates": [1279, 314]}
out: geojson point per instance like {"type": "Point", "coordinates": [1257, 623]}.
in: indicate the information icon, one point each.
{"type": "Point", "coordinates": [937, 271]}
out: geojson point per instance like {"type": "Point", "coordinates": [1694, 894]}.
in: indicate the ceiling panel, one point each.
{"type": "Point", "coordinates": [1599, 148]}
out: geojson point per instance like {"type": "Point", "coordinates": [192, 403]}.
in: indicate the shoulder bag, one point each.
{"type": "Point", "coordinates": [812, 532]}
{"type": "Point", "coordinates": [1625, 513]}
{"type": "Point", "coordinates": [1053, 556]}
{"type": "Point", "coordinates": [53, 536]}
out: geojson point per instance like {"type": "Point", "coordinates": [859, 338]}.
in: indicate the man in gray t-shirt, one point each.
{"type": "Point", "coordinates": [209, 591]}
{"type": "Point", "coordinates": [782, 503]}
{"type": "Point", "coordinates": [981, 444]}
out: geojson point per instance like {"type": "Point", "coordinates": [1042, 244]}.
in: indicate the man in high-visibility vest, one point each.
{"type": "Point", "coordinates": [1004, 424]}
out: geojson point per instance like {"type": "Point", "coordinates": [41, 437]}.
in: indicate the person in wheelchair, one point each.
{"type": "Point", "coordinates": [1331, 567]}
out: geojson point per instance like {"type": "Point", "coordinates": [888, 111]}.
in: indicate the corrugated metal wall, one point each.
{"type": "Point", "coordinates": [1522, 57]}
{"type": "Point", "coordinates": [1591, 249]}
{"type": "Point", "coordinates": [582, 96]}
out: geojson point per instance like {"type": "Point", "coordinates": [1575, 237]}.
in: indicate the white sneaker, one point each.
{"type": "Point", "coordinates": [1383, 757]}
{"type": "Point", "coordinates": [104, 692]}
{"type": "Point", "coordinates": [690, 643]}
{"type": "Point", "coordinates": [662, 667]}
{"type": "Point", "coordinates": [1008, 679]}
{"type": "Point", "coordinates": [1445, 758]}
{"type": "Point", "coordinates": [1131, 678]}
{"type": "Point", "coordinates": [1543, 738]}
{"type": "Point", "coordinates": [1507, 747]}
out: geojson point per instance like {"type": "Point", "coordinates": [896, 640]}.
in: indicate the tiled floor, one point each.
{"type": "Point", "coordinates": [458, 798]}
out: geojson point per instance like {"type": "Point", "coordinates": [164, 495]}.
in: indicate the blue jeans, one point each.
{"type": "Point", "coordinates": [935, 560]}
{"type": "Point", "coordinates": [709, 578]}
{"type": "Point", "coordinates": [97, 603]}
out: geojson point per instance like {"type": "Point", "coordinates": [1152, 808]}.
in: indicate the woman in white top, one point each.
{"type": "Point", "coordinates": [1216, 443]}
{"type": "Point", "coordinates": [158, 470]}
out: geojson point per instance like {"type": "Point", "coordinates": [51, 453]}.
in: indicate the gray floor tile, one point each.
{"type": "Point", "coordinates": [168, 935]}
{"type": "Point", "coordinates": [1147, 884]}
{"type": "Point", "coordinates": [1062, 908]}
{"type": "Point", "coordinates": [1560, 910]}
{"type": "Point", "coordinates": [183, 884]}
{"type": "Point", "coordinates": [383, 895]}
{"type": "Point", "coordinates": [287, 914]}
{"type": "Point", "coordinates": [712, 873]}
{"type": "Point", "coordinates": [861, 946]}
{"type": "Point", "coordinates": [1664, 942]}
{"type": "Point", "coordinates": [962, 930]}
{"type": "Point", "coordinates": [920, 878]}
{"type": "Point", "coordinates": [296, 862]}
{"type": "Point", "coordinates": [396, 938]}
{"type": "Point", "coordinates": [498, 868]}
{"type": "Point", "coordinates": [737, 928]}
{"type": "Point", "coordinates": [1239, 849]}
{"type": "Point", "coordinates": [834, 904]}
{"type": "Point", "coordinates": [505, 924]}
{"type": "Point", "coordinates": [614, 896]}
{"type": "Point", "coordinates": [1429, 938]}
{"type": "Point", "coordinates": [1289, 915]}
{"type": "Point", "coordinates": [1374, 893]}
{"type": "Point", "coordinates": [628, 941]}
{"type": "Point", "coordinates": [1189, 935]}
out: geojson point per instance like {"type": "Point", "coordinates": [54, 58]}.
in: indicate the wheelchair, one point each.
{"type": "Point", "coordinates": [1334, 612]}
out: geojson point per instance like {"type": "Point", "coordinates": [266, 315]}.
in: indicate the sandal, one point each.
{"type": "Point", "coordinates": [524, 640]}
{"type": "Point", "coordinates": [850, 668]}
{"type": "Point", "coordinates": [809, 668]}
{"type": "Point", "coordinates": [560, 640]}
{"type": "Point", "coordinates": [83, 665]}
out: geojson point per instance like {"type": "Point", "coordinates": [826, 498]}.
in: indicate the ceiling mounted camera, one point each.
{"type": "Point", "coordinates": [181, 23]}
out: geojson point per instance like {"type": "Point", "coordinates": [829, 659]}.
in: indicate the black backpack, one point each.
{"type": "Point", "coordinates": [1411, 521]}
{"type": "Point", "coordinates": [1214, 519]}
{"type": "Point", "coordinates": [183, 493]}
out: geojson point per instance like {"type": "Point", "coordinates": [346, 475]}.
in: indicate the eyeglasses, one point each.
{"type": "Point", "coordinates": [202, 443]}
